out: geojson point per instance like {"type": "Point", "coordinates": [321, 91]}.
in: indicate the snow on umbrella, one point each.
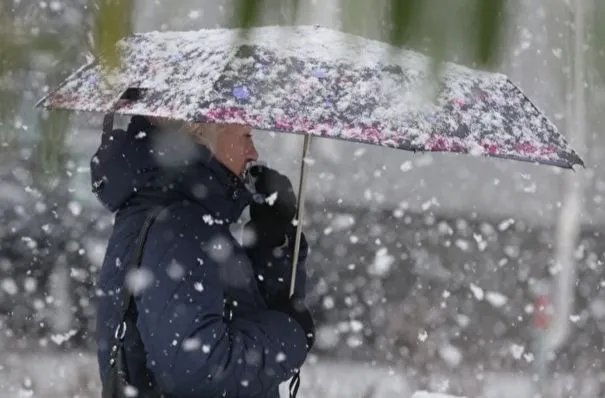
{"type": "Point", "coordinates": [317, 82]}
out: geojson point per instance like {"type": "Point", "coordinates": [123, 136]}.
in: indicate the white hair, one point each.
{"type": "Point", "coordinates": [204, 133]}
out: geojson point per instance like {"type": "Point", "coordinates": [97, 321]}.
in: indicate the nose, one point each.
{"type": "Point", "coordinates": [251, 152]}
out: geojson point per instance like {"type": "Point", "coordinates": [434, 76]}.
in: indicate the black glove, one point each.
{"type": "Point", "coordinates": [272, 222]}
{"type": "Point", "coordinates": [296, 309]}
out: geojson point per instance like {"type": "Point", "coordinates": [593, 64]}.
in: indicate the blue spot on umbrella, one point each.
{"type": "Point", "coordinates": [241, 92]}
{"type": "Point", "coordinates": [319, 72]}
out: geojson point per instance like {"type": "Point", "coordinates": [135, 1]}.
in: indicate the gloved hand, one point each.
{"type": "Point", "coordinates": [297, 310]}
{"type": "Point", "coordinates": [272, 220]}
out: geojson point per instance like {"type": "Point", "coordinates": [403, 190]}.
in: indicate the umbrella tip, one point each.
{"type": "Point", "coordinates": [578, 166]}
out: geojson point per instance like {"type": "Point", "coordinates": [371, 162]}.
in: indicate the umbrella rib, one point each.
{"type": "Point", "coordinates": [300, 210]}
{"type": "Point", "coordinates": [79, 71]}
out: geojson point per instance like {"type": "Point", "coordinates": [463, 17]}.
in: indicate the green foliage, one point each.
{"type": "Point", "coordinates": [113, 21]}
{"type": "Point", "coordinates": [405, 15]}
{"type": "Point", "coordinates": [51, 152]}
{"type": "Point", "coordinates": [597, 38]}
{"type": "Point", "coordinates": [23, 37]}
{"type": "Point", "coordinates": [13, 57]}
{"type": "Point", "coordinates": [491, 19]}
{"type": "Point", "coordinates": [247, 13]}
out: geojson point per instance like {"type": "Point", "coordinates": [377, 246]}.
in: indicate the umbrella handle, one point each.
{"type": "Point", "coordinates": [300, 210]}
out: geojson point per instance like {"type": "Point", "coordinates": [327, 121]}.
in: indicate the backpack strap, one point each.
{"type": "Point", "coordinates": [117, 378]}
{"type": "Point", "coordinates": [133, 265]}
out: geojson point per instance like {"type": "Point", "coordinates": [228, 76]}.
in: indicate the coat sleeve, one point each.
{"type": "Point", "coordinates": [273, 267]}
{"type": "Point", "coordinates": [191, 350]}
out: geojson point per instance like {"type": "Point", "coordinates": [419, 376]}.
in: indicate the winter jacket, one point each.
{"type": "Point", "coordinates": [190, 265]}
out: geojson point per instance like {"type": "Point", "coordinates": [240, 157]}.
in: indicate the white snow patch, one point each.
{"type": "Point", "coordinates": [327, 337]}
{"type": "Point", "coordinates": [481, 243]}
{"type": "Point", "coordinates": [463, 244]}
{"type": "Point", "coordinates": [138, 280]}
{"type": "Point", "coordinates": [382, 262]}
{"type": "Point", "coordinates": [356, 326]}
{"type": "Point", "coordinates": [75, 208]}
{"type": "Point", "coordinates": [270, 200]}
{"type": "Point", "coordinates": [477, 292]}
{"type": "Point", "coordinates": [61, 338]}
{"type": "Point", "coordinates": [406, 166]}
{"type": "Point", "coordinates": [426, 394]}
{"type": "Point", "coordinates": [191, 344]}
{"type": "Point", "coordinates": [496, 299]}
{"type": "Point", "coordinates": [30, 284]}
{"type": "Point", "coordinates": [9, 286]}
{"type": "Point", "coordinates": [504, 225]}
{"type": "Point", "coordinates": [517, 351]}
{"type": "Point", "coordinates": [195, 14]}
{"type": "Point", "coordinates": [342, 222]}
{"type": "Point", "coordinates": [451, 355]}
{"type": "Point", "coordinates": [131, 391]}
{"type": "Point", "coordinates": [175, 270]}
{"type": "Point", "coordinates": [208, 219]}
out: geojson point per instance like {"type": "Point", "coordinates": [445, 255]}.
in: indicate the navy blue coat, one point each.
{"type": "Point", "coordinates": [190, 263]}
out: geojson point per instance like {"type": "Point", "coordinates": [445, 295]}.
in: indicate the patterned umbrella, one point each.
{"type": "Point", "coordinates": [321, 82]}
{"type": "Point", "coordinates": [317, 82]}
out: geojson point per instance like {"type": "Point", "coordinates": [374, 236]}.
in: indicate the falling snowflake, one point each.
{"type": "Point", "coordinates": [496, 299]}
{"type": "Point", "coordinates": [175, 270]}
{"type": "Point", "coordinates": [477, 292]}
{"type": "Point", "coordinates": [59, 339]}
{"type": "Point", "coordinates": [138, 280]}
{"type": "Point", "coordinates": [131, 391]}
{"type": "Point", "coordinates": [517, 350]}
{"type": "Point", "coordinates": [191, 344]}
{"type": "Point", "coordinates": [270, 200]}
{"type": "Point", "coordinates": [9, 286]}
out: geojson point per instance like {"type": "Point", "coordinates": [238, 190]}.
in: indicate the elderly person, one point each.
{"type": "Point", "coordinates": [210, 317]}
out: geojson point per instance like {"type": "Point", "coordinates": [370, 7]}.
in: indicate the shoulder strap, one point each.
{"type": "Point", "coordinates": [134, 264]}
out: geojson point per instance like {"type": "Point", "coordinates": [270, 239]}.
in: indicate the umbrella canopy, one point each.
{"type": "Point", "coordinates": [321, 82]}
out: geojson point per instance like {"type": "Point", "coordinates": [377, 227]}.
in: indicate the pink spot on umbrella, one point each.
{"type": "Point", "coordinates": [548, 150]}
{"type": "Point", "coordinates": [436, 144]}
{"type": "Point", "coordinates": [370, 134]}
{"type": "Point", "coordinates": [301, 125]}
{"type": "Point", "coordinates": [283, 124]}
{"type": "Point", "coordinates": [445, 144]}
{"type": "Point", "coordinates": [490, 147]}
{"type": "Point", "coordinates": [459, 102]}
{"type": "Point", "coordinates": [526, 148]}
{"type": "Point", "coordinates": [230, 114]}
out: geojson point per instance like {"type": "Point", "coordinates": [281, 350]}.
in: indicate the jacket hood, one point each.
{"type": "Point", "coordinates": [148, 163]}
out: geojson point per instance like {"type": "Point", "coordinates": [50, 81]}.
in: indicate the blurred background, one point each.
{"type": "Point", "coordinates": [448, 273]}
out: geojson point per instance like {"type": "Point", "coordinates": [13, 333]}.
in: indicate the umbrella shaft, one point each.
{"type": "Point", "coordinates": [300, 210]}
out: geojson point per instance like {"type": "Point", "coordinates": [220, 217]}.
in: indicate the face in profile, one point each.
{"type": "Point", "coordinates": [234, 147]}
